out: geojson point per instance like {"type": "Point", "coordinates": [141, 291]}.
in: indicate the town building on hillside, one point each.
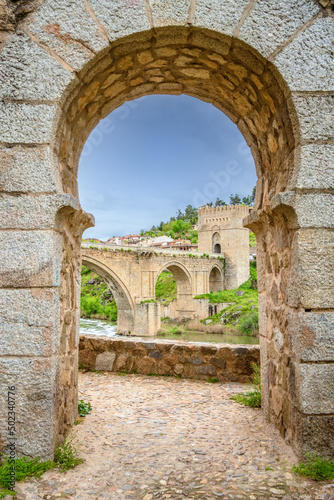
{"type": "Point", "coordinates": [186, 245]}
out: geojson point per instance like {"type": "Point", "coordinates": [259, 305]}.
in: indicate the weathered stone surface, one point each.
{"type": "Point", "coordinates": [29, 322]}
{"type": "Point", "coordinates": [105, 361]}
{"type": "Point", "coordinates": [307, 63]}
{"type": "Point", "coordinates": [169, 13]}
{"type": "Point", "coordinates": [34, 380]}
{"type": "Point", "coordinates": [311, 336]}
{"type": "Point", "coordinates": [316, 167]}
{"type": "Point", "coordinates": [68, 29]}
{"type": "Point", "coordinates": [29, 72]}
{"type": "Point", "coordinates": [27, 170]}
{"type": "Point", "coordinates": [121, 18]}
{"type": "Point", "coordinates": [32, 212]}
{"type": "Point", "coordinates": [315, 116]}
{"type": "Point", "coordinates": [30, 258]}
{"type": "Point", "coordinates": [312, 210]}
{"type": "Point", "coordinates": [219, 16]}
{"type": "Point", "coordinates": [316, 388]}
{"type": "Point", "coordinates": [318, 434]}
{"type": "Point", "coordinates": [271, 24]}
{"type": "Point", "coordinates": [25, 123]}
{"type": "Point", "coordinates": [230, 363]}
{"type": "Point", "coordinates": [311, 281]}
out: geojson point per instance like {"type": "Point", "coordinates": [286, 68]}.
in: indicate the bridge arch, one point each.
{"type": "Point", "coordinates": [216, 281]}
{"type": "Point", "coordinates": [182, 277]}
{"type": "Point", "coordinates": [123, 299]}
{"type": "Point", "coordinates": [265, 84]}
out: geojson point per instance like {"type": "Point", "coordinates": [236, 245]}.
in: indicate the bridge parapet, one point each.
{"type": "Point", "coordinates": [154, 250]}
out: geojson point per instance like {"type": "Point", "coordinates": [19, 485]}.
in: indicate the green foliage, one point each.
{"type": "Point", "coordinates": [166, 287]}
{"type": "Point", "coordinates": [252, 240]}
{"type": "Point", "coordinates": [213, 380]}
{"type": "Point", "coordinates": [84, 408]}
{"type": "Point", "coordinates": [242, 313]}
{"type": "Point", "coordinates": [253, 270]}
{"type": "Point", "coordinates": [66, 456]}
{"type": "Point", "coordinates": [148, 301]}
{"type": "Point", "coordinates": [181, 227]}
{"type": "Point", "coordinates": [93, 303]}
{"type": "Point", "coordinates": [249, 323]}
{"type": "Point", "coordinates": [253, 397]}
{"type": "Point", "coordinates": [235, 199]}
{"type": "Point", "coordinates": [316, 467]}
{"type": "Point", "coordinates": [24, 467]}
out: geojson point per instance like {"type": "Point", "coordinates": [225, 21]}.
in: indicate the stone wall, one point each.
{"type": "Point", "coordinates": [201, 308]}
{"type": "Point", "coordinates": [229, 363]}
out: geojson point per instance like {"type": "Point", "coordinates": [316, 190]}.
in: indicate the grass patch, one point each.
{"type": "Point", "coordinates": [315, 467]}
{"type": "Point", "coordinates": [213, 380]}
{"type": "Point", "coordinates": [24, 467]}
{"type": "Point", "coordinates": [65, 458]}
{"type": "Point", "coordinates": [84, 408]}
{"type": "Point", "coordinates": [251, 398]}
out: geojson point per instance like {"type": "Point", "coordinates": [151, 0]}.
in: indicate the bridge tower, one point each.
{"type": "Point", "coordinates": [220, 230]}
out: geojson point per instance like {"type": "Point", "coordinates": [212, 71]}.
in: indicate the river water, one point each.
{"type": "Point", "coordinates": [100, 327]}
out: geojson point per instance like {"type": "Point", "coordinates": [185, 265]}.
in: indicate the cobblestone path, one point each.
{"type": "Point", "coordinates": [153, 438]}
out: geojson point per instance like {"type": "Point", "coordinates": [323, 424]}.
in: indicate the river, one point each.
{"type": "Point", "coordinates": [100, 327]}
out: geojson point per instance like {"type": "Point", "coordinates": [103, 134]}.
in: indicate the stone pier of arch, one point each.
{"type": "Point", "coordinates": [131, 274]}
{"type": "Point", "coordinates": [64, 65]}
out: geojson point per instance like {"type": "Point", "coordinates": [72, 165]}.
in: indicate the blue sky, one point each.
{"type": "Point", "coordinates": [155, 155]}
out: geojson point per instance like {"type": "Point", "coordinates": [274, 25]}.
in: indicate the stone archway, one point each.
{"type": "Point", "coordinates": [124, 302]}
{"type": "Point", "coordinates": [184, 298]}
{"type": "Point", "coordinates": [63, 73]}
{"type": "Point", "coordinates": [215, 280]}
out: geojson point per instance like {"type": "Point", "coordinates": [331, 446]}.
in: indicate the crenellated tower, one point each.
{"type": "Point", "coordinates": [220, 230]}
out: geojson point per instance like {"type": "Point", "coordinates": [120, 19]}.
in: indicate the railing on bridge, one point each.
{"type": "Point", "coordinates": [142, 249]}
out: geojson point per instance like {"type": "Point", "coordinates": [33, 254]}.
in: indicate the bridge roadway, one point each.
{"type": "Point", "coordinates": [131, 273]}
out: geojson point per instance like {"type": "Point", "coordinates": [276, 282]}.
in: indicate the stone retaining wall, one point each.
{"type": "Point", "coordinates": [229, 363]}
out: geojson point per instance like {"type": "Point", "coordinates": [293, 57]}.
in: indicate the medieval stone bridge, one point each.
{"type": "Point", "coordinates": [64, 66]}
{"type": "Point", "coordinates": [132, 273]}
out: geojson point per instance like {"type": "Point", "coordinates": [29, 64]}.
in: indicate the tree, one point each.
{"type": "Point", "coordinates": [219, 203]}
{"type": "Point", "coordinates": [191, 214]}
{"type": "Point", "coordinates": [235, 199]}
{"type": "Point", "coordinates": [179, 215]}
{"type": "Point", "coordinates": [180, 226]}
{"type": "Point", "coordinates": [249, 200]}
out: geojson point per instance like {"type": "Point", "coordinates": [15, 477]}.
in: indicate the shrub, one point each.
{"type": "Point", "coordinates": [249, 323]}
{"type": "Point", "coordinates": [84, 408]}
{"type": "Point", "coordinates": [66, 456]}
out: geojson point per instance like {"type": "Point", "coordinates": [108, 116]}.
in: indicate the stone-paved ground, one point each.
{"type": "Point", "coordinates": [154, 437]}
